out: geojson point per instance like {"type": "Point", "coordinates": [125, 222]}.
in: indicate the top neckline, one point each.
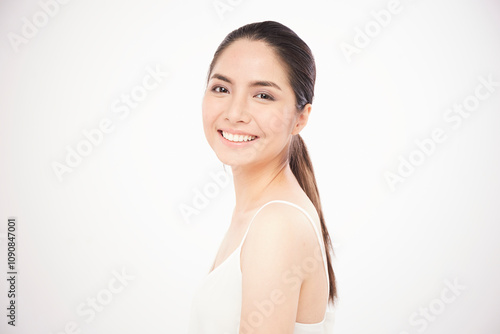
{"type": "Point", "coordinates": [248, 228]}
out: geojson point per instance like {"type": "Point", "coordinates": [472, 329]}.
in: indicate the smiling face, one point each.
{"type": "Point", "coordinates": [248, 109]}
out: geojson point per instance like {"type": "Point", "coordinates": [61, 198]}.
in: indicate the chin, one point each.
{"type": "Point", "coordinates": [233, 162]}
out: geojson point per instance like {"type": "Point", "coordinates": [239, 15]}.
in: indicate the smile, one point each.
{"type": "Point", "coordinates": [235, 138]}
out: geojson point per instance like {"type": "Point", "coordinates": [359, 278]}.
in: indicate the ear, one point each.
{"type": "Point", "coordinates": [302, 119]}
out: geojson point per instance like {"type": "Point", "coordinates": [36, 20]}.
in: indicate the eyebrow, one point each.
{"type": "Point", "coordinates": [264, 83]}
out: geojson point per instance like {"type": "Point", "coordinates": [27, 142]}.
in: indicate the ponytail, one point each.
{"type": "Point", "coordinates": [298, 61]}
{"type": "Point", "coordinates": [302, 168]}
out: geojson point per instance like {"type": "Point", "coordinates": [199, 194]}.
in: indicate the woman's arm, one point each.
{"type": "Point", "coordinates": [279, 239]}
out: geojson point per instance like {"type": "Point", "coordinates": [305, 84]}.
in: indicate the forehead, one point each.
{"type": "Point", "coordinates": [246, 60]}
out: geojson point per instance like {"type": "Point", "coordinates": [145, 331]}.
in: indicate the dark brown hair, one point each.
{"type": "Point", "coordinates": [299, 63]}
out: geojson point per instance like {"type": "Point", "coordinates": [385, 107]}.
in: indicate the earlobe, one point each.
{"type": "Point", "coordinates": [302, 119]}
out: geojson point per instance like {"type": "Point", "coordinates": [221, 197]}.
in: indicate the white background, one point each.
{"type": "Point", "coordinates": [119, 209]}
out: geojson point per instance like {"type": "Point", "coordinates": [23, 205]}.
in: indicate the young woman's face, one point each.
{"type": "Point", "coordinates": [248, 109]}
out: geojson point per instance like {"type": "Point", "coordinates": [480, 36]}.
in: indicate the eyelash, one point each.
{"type": "Point", "coordinates": [269, 97]}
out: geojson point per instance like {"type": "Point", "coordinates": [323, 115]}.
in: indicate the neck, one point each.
{"type": "Point", "coordinates": [252, 182]}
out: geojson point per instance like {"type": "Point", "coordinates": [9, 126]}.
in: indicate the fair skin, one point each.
{"type": "Point", "coordinates": [248, 92]}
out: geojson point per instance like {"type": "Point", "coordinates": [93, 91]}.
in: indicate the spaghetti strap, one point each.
{"type": "Point", "coordinates": [217, 301]}
{"type": "Point", "coordinates": [320, 239]}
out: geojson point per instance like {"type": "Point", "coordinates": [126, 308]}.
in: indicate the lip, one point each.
{"type": "Point", "coordinates": [232, 143]}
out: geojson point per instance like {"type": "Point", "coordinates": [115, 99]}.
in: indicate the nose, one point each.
{"type": "Point", "coordinates": [237, 109]}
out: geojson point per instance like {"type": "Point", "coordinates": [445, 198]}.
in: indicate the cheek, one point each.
{"type": "Point", "coordinates": [278, 123]}
{"type": "Point", "coordinates": [208, 112]}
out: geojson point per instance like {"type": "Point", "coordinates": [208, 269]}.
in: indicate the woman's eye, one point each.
{"type": "Point", "coordinates": [219, 89]}
{"type": "Point", "coordinates": [265, 96]}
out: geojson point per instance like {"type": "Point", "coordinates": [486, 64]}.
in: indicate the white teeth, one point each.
{"type": "Point", "coordinates": [237, 138]}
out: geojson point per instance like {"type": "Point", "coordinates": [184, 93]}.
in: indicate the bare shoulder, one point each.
{"type": "Point", "coordinates": [279, 215]}
{"type": "Point", "coordinates": [278, 240]}
{"type": "Point", "coordinates": [281, 231]}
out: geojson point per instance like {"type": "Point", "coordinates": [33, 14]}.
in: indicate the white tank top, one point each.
{"type": "Point", "coordinates": [216, 305]}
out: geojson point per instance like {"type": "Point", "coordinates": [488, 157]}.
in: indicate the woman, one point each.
{"type": "Point", "coordinates": [272, 273]}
